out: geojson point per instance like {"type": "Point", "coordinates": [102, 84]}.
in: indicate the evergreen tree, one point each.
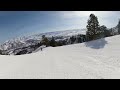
{"type": "Point", "coordinates": [111, 32]}
{"type": "Point", "coordinates": [118, 26]}
{"type": "Point", "coordinates": [0, 52]}
{"type": "Point", "coordinates": [92, 27]}
{"type": "Point", "coordinates": [59, 43]}
{"type": "Point", "coordinates": [108, 33]}
{"type": "Point", "coordinates": [72, 39]}
{"type": "Point", "coordinates": [79, 40]}
{"type": "Point", "coordinates": [45, 41]}
{"type": "Point", "coordinates": [103, 31]}
{"type": "Point", "coordinates": [84, 38]}
{"type": "Point", "coordinates": [53, 42]}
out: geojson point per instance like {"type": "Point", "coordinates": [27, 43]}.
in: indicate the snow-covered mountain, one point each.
{"type": "Point", "coordinates": [25, 41]}
{"type": "Point", "coordinates": [99, 59]}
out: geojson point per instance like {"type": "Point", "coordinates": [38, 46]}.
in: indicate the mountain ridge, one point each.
{"type": "Point", "coordinates": [23, 39]}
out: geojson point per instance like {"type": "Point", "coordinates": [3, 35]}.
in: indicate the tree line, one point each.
{"type": "Point", "coordinates": [94, 31]}
{"type": "Point", "coordinates": [70, 40]}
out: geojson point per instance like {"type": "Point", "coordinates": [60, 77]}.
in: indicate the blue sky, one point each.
{"type": "Point", "coordinates": [18, 23]}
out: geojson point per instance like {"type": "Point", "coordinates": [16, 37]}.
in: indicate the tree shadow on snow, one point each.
{"type": "Point", "coordinates": [97, 44]}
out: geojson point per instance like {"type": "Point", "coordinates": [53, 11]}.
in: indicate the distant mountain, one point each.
{"type": "Point", "coordinates": [26, 41]}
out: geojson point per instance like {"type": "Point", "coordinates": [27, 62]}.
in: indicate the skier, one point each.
{"type": "Point", "coordinates": [41, 48]}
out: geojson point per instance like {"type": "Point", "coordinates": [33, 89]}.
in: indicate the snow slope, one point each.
{"type": "Point", "coordinates": [98, 59]}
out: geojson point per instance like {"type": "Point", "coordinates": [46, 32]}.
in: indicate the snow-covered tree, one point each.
{"type": "Point", "coordinates": [92, 27]}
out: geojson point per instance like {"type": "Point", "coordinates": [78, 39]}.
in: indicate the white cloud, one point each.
{"type": "Point", "coordinates": [108, 18]}
{"type": "Point", "coordinates": [73, 14]}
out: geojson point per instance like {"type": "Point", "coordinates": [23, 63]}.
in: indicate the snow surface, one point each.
{"type": "Point", "coordinates": [98, 59]}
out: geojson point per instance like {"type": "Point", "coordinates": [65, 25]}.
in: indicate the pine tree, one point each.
{"type": "Point", "coordinates": [92, 27]}
{"type": "Point", "coordinates": [103, 31]}
{"type": "Point", "coordinates": [78, 39]}
{"type": "Point", "coordinates": [53, 42]}
{"type": "Point", "coordinates": [111, 32]}
{"type": "Point", "coordinates": [59, 43]}
{"type": "Point", "coordinates": [118, 26]}
{"type": "Point", "coordinates": [72, 39]}
{"type": "Point", "coordinates": [45, 41]}
{"type": "Point", "coordinates": [0, 52]}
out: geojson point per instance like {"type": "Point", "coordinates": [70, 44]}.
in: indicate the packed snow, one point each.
{"type": "Point", "coordinates": [97, 59]}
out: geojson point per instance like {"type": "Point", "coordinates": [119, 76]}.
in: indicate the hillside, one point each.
{"type": "Point", "coordinates": [17, 44]}
{"type": "Point", "coordinates": [98, 59]}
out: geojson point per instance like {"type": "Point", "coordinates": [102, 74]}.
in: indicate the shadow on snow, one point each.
{"type": "Point", "coordinates": [97, 44]}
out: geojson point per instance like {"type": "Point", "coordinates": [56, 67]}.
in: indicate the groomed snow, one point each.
{"type": "Point", "coordinates": [98, 59]}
